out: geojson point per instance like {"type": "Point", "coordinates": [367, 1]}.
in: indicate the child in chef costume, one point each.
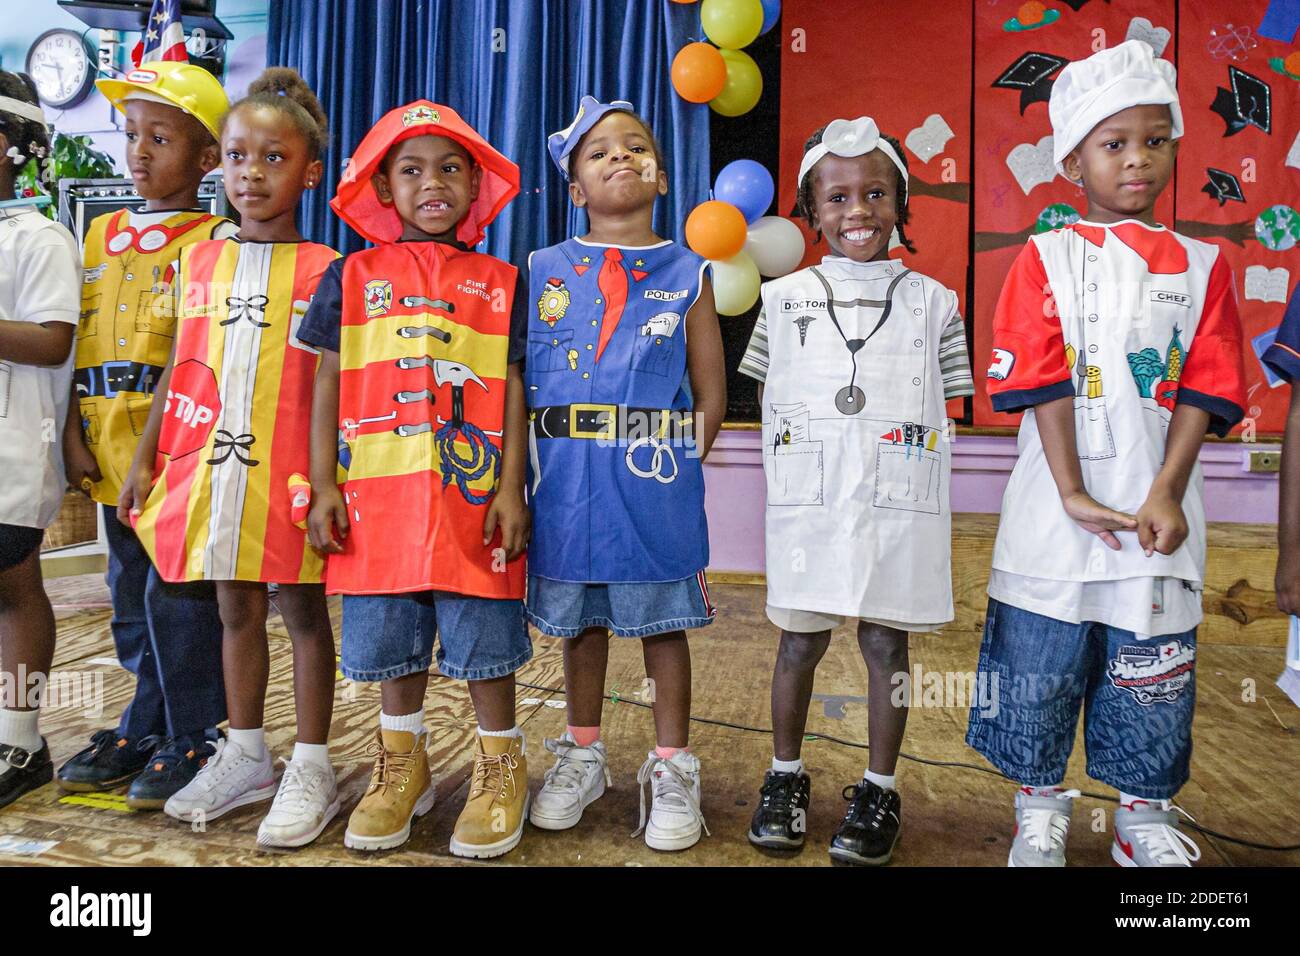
{"type": "Point", "coordinates": [39, 304]}
{"type": "Point", "coordinates": [1121, 342]}
{"type": "Point", "coordinates": [857, 356]}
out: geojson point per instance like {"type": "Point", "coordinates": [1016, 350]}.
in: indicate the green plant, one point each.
{"type": "Point", "coordinates": [69, 157]}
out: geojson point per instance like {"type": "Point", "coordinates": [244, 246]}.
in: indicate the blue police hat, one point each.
{"type": "Point", "coordinates": [590, 112]}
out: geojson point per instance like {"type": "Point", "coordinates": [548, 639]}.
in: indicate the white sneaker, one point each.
{"type": "Point", "coordinates": [308, 799]}
{"type": "Point", "coordinates": [1042, 824]}
{"type": "Point", "coordinates": [675, 818]}
{"type": "Point", "coordinates": [1153, 837]}
{"type": "Point", "coordinates": [577, 779]}
{"type": "Point", "coordinates": [230, 779]}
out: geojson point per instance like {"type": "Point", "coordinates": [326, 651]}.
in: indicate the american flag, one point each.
{"type": "Point", "coordinates": [164, 36]}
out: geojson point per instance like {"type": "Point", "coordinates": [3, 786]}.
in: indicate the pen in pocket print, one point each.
{"type": "Point", "coordinates": [1091, 422]}
{"type": "Point", "coordinates": [795, 475]}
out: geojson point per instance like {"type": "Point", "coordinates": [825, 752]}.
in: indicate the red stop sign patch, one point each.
{"type": "Point", "coordinates": [192, 408]}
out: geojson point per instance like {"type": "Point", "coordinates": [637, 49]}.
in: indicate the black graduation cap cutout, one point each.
{"type": "Point", "coordinates": [1248, 103]}
{"type": "Point", "coordinates": [1031, 74]}
{"type": "Point", "coordinates": [1074, 5]}
{"type": "Point", "coordinates": [1222, 186]}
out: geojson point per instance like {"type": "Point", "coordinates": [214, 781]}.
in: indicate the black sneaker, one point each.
{"type": "Point", "coordinates": [172, 765]}
{"type": "Point", "coordinates": [108, 762]}
{"type": "Point", "coordinates": [781, 818]}
{"type": "Point", "coordinates": [25, 771]}
{"type": "Point", "coordinates": [867, 835]}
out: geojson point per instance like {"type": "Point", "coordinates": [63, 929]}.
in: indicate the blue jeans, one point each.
{"type": "Point", "coordinates": [169, 637]}
{"type": "Point", "coordinates": [567, 608]}
{"type": "Point", "coordinates": [392, 635]}
{"type": "Point", "coordinates": [1138, 696]}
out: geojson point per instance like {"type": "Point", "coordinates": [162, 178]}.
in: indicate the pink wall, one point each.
{"type": "Point", "coordinates": [735, 490]}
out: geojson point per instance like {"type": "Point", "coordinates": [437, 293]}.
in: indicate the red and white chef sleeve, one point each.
{"type": "Point", "coordinates": [1214, 376]}
{"type": "Point", "coordinates": [1028, 366]}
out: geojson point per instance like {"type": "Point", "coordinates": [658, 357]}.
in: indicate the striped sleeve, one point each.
{"type": "Point", "coordinates": [754, 363]}
{"type": "Point", "coordinates": [954, 362]}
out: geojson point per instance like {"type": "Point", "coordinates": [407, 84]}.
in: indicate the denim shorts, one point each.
{"type": "Point", "coordinates": [1138, 697]}
{"type": "Point", "coordinates": [567, 608]}
{"type": "Point", "coordinates": [392, 635]}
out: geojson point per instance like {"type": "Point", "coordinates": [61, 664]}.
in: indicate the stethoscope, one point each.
{"type": "Point", "coordinates": [850, 400]}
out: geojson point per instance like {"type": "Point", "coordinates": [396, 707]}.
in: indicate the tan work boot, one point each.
{"type": "Point", "coordinates": [493, 819]}
{"type": "Point", "coordinates": [400, 790]}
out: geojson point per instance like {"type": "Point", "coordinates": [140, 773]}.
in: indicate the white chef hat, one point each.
{"type": "Point", "coordinates": [1088, 91]}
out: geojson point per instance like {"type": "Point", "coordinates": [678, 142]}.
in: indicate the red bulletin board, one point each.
{"type": "Point", "coordinates": [900, 63]}
{"type": "Point", "coordinates": [889, 60]}
{"type": "Point", "coordinates": [1265, 260]}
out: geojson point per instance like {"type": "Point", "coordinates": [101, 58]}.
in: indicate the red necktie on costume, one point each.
{"type": "Point", "coordinates": [612, 283]}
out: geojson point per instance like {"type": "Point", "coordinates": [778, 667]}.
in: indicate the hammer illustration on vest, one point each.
{"type": "Point", "coordinates": [444, 371]}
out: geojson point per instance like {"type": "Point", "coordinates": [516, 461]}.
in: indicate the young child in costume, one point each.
{"type": "Point", "coordinates": [855, 358]}
{"type": "Point", "coordinates": [38, 319]}
{"type": "Point", "coordinates": [420, 399]}
{"type": "Point", "coordinates": [1283, 357]}
{"type": "Point", "coordinates": [626, 390]}
{"type": "Point", "coordinates": [232, 450]}
{"type": "Point", "coordinates": [167, 635]}
{"type": "Point", "coordinates": [1120, 341]}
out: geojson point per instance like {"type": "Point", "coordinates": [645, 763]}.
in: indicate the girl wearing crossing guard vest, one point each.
{"type": "Point", "coordinates": [419, 402]}
{"type": "Point", "coordinates": [225, 500]}
{"type": "Point", "coordinates": [1120, 341]}
{"type": "Point", "coordinates": [626, 391]}
{"type": "Point", "coordinates": [39, 291]}
{"type": "Point", "coordinates": [856, 358]}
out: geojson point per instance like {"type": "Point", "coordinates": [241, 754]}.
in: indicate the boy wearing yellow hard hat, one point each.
{"type": "Point", "coordinates": [168, 636]}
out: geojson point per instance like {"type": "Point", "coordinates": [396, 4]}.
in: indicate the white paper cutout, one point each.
{"type": "Point", "coordinates": [1140, 28]}
{"type": "Point", "coordinates": [1031, 164]}
{"type": "Point", "coordinates": [1267, 285]}
{"type": "Point", "coordinates": [928, 140]}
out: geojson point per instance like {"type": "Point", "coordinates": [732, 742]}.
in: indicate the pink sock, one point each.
{"type": "Point", "coordinates": [584, 736]}
{"type": "Point", "coordinates": [666, 753]}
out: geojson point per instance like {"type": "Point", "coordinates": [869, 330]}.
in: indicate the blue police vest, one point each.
{"type": "Point", "coordinates": [617, 488]}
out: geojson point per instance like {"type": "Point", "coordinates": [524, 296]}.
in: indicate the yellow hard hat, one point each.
{"type": "Point", "coordinates": [189, 88]}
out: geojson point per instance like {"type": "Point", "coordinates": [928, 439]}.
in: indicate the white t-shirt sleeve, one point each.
{"type": "Point", "coordinates": [48, 279]}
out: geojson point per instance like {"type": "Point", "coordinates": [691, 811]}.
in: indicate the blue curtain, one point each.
{"type": "Point", "coordinates": [515, 70]}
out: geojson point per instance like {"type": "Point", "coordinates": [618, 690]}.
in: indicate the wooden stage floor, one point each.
{"type": "Point", "coordinates": [1245, 770]}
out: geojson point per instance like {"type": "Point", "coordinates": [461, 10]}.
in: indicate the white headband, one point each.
{"type": "Point", "coordinates": [28, 111]}
{"type": "Point", "coordinates": [851, 138]}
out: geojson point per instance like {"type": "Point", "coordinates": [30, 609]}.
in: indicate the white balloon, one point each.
{"type": "Point", "coordinates": [776, 245]}
{"type": "Point", "coordinates": [735, 284]}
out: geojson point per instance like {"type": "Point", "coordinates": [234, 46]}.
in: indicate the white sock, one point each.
{"type": "Point", "coordinates": [407, 723]}
{"type": "Point", "coordinates": [1126, 801]}
{"type": "Point", "coordinates": [1054, 790]}
{"type": "Point", "coordinates": [885, 782]}
{"type": "Point", "coordinates": [512, 732]}
{"type": "Point", "coordinates": [251, 742]}
{"type": "Point", "coordinates": [319, 754]}
{"type": "Point", "coordinates": [18, 729]}
{"type": "Point", "coordinates": [788, 766]}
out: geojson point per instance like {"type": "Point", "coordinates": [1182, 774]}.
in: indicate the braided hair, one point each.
{"type": "Point", "coordinates": [806, 207]}
{"type": "Point", "coordinates": [282, 89]}
{"type": "Point", "coordinates": [27, 135]}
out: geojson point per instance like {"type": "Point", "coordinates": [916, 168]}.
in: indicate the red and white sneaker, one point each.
{"type": "Point", "coordinates": [1147, 835]}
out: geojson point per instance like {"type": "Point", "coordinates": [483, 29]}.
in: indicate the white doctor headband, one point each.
{"type": "Point", "coordinates": [28, 111]}
{"type": "Point", "coordinates": [851, 138]}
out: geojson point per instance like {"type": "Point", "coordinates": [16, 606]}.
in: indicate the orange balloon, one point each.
{"type": "Point", "coordinates": [1031, 13]}
{"type": "Point", "coordinates": [683, 1]}
{"type": "Point", "coordinates": [699, 72]}
{"type": "Point", "coordinates": [1292, 64]}
{"type": "Point", "coordinates": [715, 229]}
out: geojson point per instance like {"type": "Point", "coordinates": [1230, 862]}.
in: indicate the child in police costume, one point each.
{"type": "Point", "coordinates": [856, 357]}
{"type": "Point", "coordinates": [419, 401]}
{"type": "Point", "coordinates": [1121, 342]}
{"type": "Point", "coordinates": [217, 488]}
{"type": "Point", "coordinates": [38, 320]}
{"type": "Point", "coordinates": [168, 636]}
{"type": "Point", "coordinates": [626, 390]}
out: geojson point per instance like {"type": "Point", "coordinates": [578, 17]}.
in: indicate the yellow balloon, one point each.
{"type": "Point", "coordinates": [735, 284]}
{"type": "Point", "coordinates": [743, 88]}
{"type": "Point", "coordinates": [731, 24]}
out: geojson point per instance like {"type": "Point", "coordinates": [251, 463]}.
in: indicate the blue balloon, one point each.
{"type": "Point", "coordinates": [748, 186]}
{"type": "Point", "coordinates": [771, 13]}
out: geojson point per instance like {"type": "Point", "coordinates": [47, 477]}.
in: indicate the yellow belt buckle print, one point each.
{"type": "Point", "coordinates": [605, 432]}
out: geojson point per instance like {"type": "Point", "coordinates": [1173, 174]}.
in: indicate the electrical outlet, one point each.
{"type": "Point", "coordinates": [1264, 462]}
